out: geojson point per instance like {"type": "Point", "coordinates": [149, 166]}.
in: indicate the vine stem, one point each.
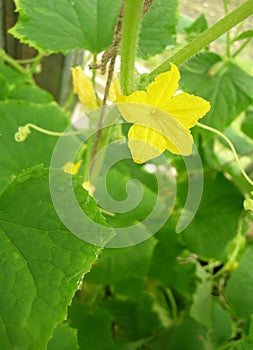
{"type": "Point", "coordinates": [231, 147]}
{"type": "Point", "coordinates": [14, 63]}
{"type": "Point", "coordinates": [211, 34]}
{"type": "Point", "coordinates": [130, 31]}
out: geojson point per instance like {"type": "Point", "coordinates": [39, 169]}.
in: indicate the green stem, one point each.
{"type": "Point", "coordinates": [231, 147]}
{"type": "Point", "coordinates": [230, 344]}
{"type": "Point", "coordinates": [225, 4]}
{"type": "Point", "coordinates": [130, 32]}
{"type": "Point", "coordinates": [36, 61]}
{"type": "Point", "coordinates": [88, 159]}
{"type": "Point", "coordinates": [94, 72]}
{"type": "Point", "coordinates": [12, 62]}
{"type": "Point", "coordinates": [211, 34]}
{"type": "Point", "coordinates": [246, 42]}
{"type": "Point", "coordinates": [170, 297]}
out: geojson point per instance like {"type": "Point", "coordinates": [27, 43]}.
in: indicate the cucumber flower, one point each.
{"type": "Point", "coordinates": [161, 119]}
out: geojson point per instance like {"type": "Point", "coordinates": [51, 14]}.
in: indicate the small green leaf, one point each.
{"type": "Point", "coordinates": [67, 24]}
{"type": "Point", "coordinates": [197, 26]}
{"type": "Point", "coordinates": [42, 262]}
{"type": "Point", "coordinates": [228, 88]}
{"type": "Point", "coordinates": [244, 35]}
{"type": "Point", "coordinates": [158, 28]}
{"type": "Point", "coordinates": [240, 286]}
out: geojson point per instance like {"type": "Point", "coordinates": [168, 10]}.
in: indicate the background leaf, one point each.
{"type": "Point", "coordinates": [216, 221]}
{"type": "Point", "coordinates": [240, 286]}
{"type": "Point", "coordinates": [67, 24]}
{"type": "Point", "coordinates": [38, 147]}
{"type": "Point", "coordinates": [158, 28]}
{"type": "Point", "coordinates": [228, 88]}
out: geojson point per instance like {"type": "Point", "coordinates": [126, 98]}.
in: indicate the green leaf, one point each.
{"type": "Point", "coordinates": [216, 221]}
{"type": "Point", "coordinates": [64, 338]}
{"type": "Point", "coordinates": [240, 286]}
{"type": "Point", "coordinates": [88, 321]}
{"type": "Point", "coordinates": [67, 24]}
{"type": "Point", "coordinates": [4, 88]}
{"type": "Point", "coordinates": [201, 307]}
{"type": "Point", "coordinates": [197, 26]}
{"type": "Point", "coordinates": [30, 93]}
{"type": "Point", "coordinates": [43, 263]}
{"type": "Point", "coordinates": [158, 28]}
{"type": "Point", "coordinates": [134, 320]}
{"type": "Point", "coordinates": [228, 88]}
{"type": "Point", "coordinates": [221, 330]}
{"type": "Point", "coordinates": [247, 123]}
{"type": "Point", "coordinates": [188, 335]}
{"type": "Point", "coordinates": [37, 148]}
{"type": "Point", "coordinates": [117, 264]}
{"type": "Point", "coordinates": [244, 35]}
{"type": "Point", "coordinates": [13, 77]}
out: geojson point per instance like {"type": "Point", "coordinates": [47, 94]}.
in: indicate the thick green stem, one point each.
{"type": "Point", "coordinates": [211, 34]}
{"type": "Point", "coordinates": [130, 32]}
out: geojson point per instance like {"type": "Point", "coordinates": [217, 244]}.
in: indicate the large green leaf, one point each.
{"type": "Point", "coordinates": [158, 28]}
{"type": "Point", "coordinates": [64, 25]}
{"type": "Point", "coordinates": [216, 221]}
{"type": "Point", "coordinates": [228, 88]}
{"type": "Point", "coordinates": [42, 263]}
{"type": "Point", "coordinates": [240, 286]}
{"type": "Point", "coordinates": [37, 148]}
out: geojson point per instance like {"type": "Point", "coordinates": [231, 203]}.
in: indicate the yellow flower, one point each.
{"type": "Point", "coordinates": [84, 89]}
{"type": "Point", "coordinates": [162, 120]}
{"type": "Point", "coordinates": [71, 168]}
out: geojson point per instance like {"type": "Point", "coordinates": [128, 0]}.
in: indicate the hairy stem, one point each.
{"type": "Point", "coordinates": [130, 31]}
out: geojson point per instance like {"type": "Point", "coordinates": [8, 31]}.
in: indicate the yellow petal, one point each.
{"type": "Point", "coordinates": [115, 92]}
{"type": "Point", "coordinates": [159, 121]}
{"type": "Point", "coordinates": [137, 96]}
{"type": "Point", "coordinates": [71, 168]}
{"type": "Point", "coordinates": [164, 87]}
{"type": "Point", "coordinates": [145, 143]}
{"type": "Point", "coordinates": [170, 146]}
{"type": "Point", "coordinates": [187, 109]}
{"type": "Point", "coordinates": [84, 88]}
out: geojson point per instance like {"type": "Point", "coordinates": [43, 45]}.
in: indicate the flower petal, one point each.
{"type": "Point", "coordinates": [164, 87]}
{"type": "Point", "coordinates": [187, 109]}
{"type": "Point", "coordinates": [159, 121]}
{"type": "Point", "coordinates": [170, 146]}
{"type": "Point", "coordinates": [84, 88]}
{"type": "Point", "coordinates": [137, 96]}
{"type": "Point", "coordinates": [145, 143]}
